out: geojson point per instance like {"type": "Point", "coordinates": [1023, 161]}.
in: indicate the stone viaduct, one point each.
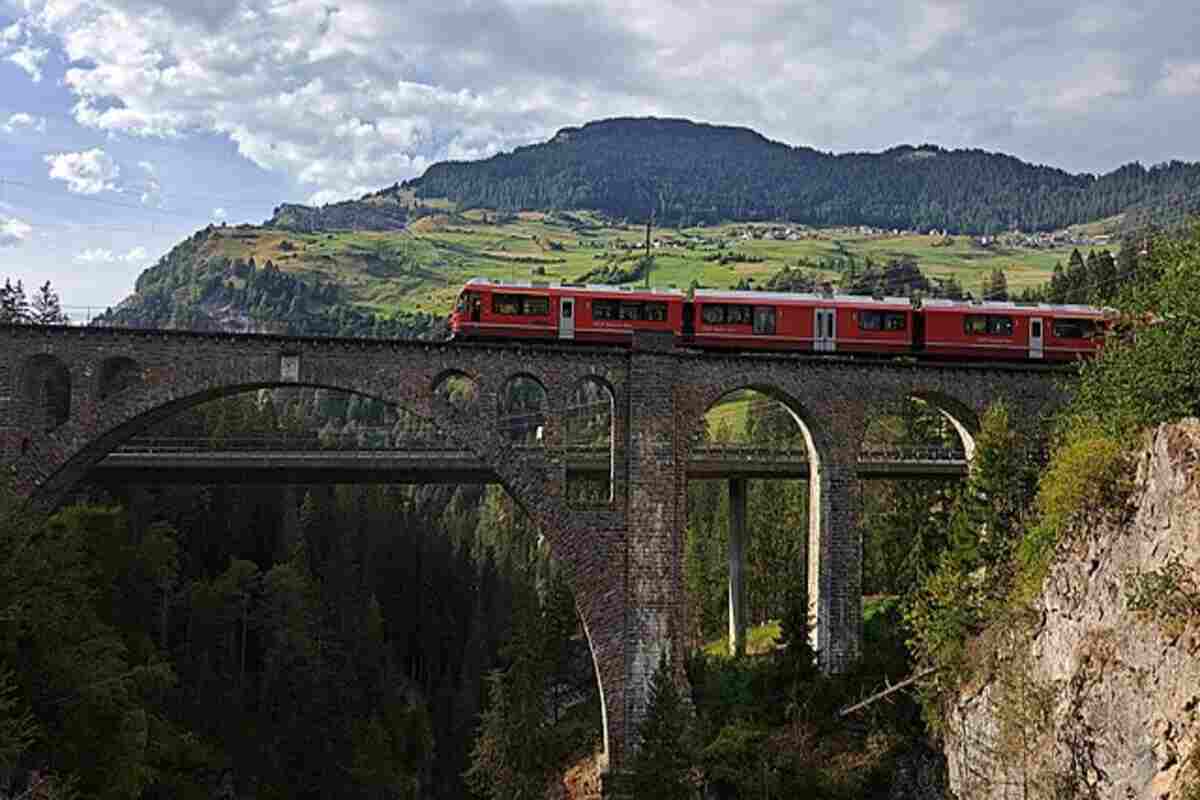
{"type": "Point", "coordinates": [69, 396]}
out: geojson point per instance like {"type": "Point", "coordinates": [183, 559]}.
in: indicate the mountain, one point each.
{"type": "Point", "coordinates": [689, 173]}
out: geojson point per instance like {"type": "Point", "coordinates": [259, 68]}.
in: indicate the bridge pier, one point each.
{"type": "Point", "coordinates": [737, 564]}
{"type": "Point", "coordinates": [834, 567]}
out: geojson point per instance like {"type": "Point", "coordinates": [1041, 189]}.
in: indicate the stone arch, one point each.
{"type": "Point", "coordinates": [960, 415]}
{"type": "Point", "coordinates": [46, 391]}
{"type": "Point", "coordinates": [457, 392]}
{"type": "Point", "coordinates": [116, 375]}
{"type": "Point", "coordinates": [829, 615]}
{"type": "Point", "coordinates": [592, 562]}
{"type": "Point", "coordinates": [589, 420]}
{"type": "Point", "coordinates": [522, 410]}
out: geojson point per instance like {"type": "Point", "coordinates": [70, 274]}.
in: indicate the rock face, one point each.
{"type": "Point", "coordinates": [351, 215]}
{"type": "Point", "coordinates": [1095, 699]}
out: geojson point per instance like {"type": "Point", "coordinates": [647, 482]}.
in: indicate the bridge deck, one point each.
{"type": "Point", "coordinates": [274, 467]}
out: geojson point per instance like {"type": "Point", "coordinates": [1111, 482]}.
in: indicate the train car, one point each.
{"type": "Point", "coordinates": [1010, 331]}
{"type": "Point", "coordinates": [800, 322]}
{"type": "Point", "coordinates": [741, 320]}
{"type": "Point", "coordinates": [532, 310]}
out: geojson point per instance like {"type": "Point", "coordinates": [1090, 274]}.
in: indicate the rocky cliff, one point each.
{"type": "Point", "coordinates": [1097, 696]}
{"type": "Point", "coordinates": [351, 215]}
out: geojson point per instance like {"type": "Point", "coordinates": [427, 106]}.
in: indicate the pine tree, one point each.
{"type": "Point", "coordinates": [46, 307]}
{"type": "Point", "coordinates": [14, 308]}
{"type": "Point", "coordinates": [662, 767]}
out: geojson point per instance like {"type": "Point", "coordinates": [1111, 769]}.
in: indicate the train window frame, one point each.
{"type": "Point", "coordinates": [1087, 327]}
{"type": "Point", "coordinates": [653, 311]}
{"type": "Point", "coordinates": [730, 314]}
{"type": "Point", "coordinates": [870, 320]}
{"type": "Point", "coordinates": [605, 310]}
{"type": "Point", "coordinates": [999, 325]}
{"type": "Point", "coordinates": [540, 305]}
{"type": "Point", "coordinates": [630, 311]}
{"type": "Point", "coordinates": [502, 302]}
{"type": "Point", "coordinates": [764, 320]}
{"type": "Point", "coordinates": [988, 325]}
{"type": "Point", "coordinates": [895, 321]}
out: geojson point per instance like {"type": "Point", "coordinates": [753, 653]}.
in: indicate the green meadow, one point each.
{"type": "Point", "coordinates": [423, 267]}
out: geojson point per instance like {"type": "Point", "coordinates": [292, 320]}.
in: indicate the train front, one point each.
{"type": "Point", "coordinates": [464, 318]}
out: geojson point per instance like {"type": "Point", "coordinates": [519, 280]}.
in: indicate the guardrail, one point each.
{"type": "Point", "coordinates": [314, 443]}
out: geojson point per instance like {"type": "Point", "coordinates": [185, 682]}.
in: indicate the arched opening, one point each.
{"type": "Point", "coordinates": [753, 505]}
{"type": "Point", "coordinates": [589, 440]}
{"type": "Point", "coordinates": [419, 589]}
{"type": "Point", "coordinates": [46, 390]}
{"type": "Point", "coordinates": [960, 416]}
{"type": "Point", "coordinates": [912, 457]}
{"type": "Point", "coordinates": [522, 411]}
{"type": "Point", "coordinates": [456, 392]}
{"type": "Point", "coordinates": [118, 374]}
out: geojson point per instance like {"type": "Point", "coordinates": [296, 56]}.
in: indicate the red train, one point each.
{"type": "Point", "coordinates": [779, 321]}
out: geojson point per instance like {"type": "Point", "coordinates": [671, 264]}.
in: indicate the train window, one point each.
{"type": "Point", "coordinates": [764, 319]}
{"type": "Point", "coordinates": [1000, 326]}
{"type": "Point", "coordinates": [605, 309]}
{"type": "Point", "coordinates": [1074, 328]}
{"type": "Point", "coordinates": [728, 315]}
{"type": "Point", "coordinates": [738, 315]}
{"type": "Point", "coordinates": [869, 320]}
{"type": "Point", "coordinates": [893, 321]}
{"type": "Point", "coordinates": [975, 324]}
{"type": "Point", "coordinates": [631, 311]}
{"type": "Point", "coordinates": [520, 305]}
{"type": "Point", "coordinates": [990, 325]}
{"type": "Point", "coordinates": [507, 304]}
{"type": "Point", "coordinates": [655, 312]}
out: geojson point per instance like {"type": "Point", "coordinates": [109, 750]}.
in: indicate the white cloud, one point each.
{"type": "Point", "coordinates": [1180, 80]}
{"type": "Point", "coordinates": [13, 231]}
{"type": "Point", "coordinates": [30, 59]}
{"type": "Point", "coordinates": [22, 120]}
{"type": "Point", "coordinates": [101, 255]}
{"type": "Point", "coordinates": [218, 214]}
{"type": "Point", "coordinates": [356, 96]}
{"type": "Point", "coordinates": [10, 34]}
{"type": "Point", "coordinates": [87, 172]}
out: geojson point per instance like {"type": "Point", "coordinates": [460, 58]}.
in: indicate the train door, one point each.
{"type": "Point", "coordinates": [918, 342]}
{"type": "Point", "coordinates": [689, 320]}
{"type": "Point", "coordinates": [566, 318]}
{"type": "Point", "coordinates": [824, 339]}
{"type": "Point", "coordinates": [1035, 337]}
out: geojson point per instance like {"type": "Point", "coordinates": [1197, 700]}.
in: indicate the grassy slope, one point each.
{"type": "Point", "coordinates": [423, 268]}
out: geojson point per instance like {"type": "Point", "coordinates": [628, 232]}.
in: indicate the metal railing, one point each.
{"type": "Point", "coordinates": [315, 443]}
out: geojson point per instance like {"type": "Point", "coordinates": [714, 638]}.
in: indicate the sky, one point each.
{"type": "Point", "coordinates": [126, 125]}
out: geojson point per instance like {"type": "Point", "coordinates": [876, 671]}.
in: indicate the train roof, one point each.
{"type": "Point", "coordinates": [752, 296]}
{"type": "Point", "coordinates": [1010, 306]}
{"type": "Point", "coordinates": [592, 287]}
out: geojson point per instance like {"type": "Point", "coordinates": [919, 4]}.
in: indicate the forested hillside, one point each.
{"type": "Point", "coordinates": [688, 173]}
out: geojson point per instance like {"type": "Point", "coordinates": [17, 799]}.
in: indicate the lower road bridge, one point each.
{"type": "Point", "coordinates": [71, 397]}
{"type": "Point", "coordinates": [260, 461]}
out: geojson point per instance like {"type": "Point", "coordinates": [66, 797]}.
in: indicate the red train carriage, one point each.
{"type": "Point", "coordinates": [958, 329]}
{"type": "Point", "coordinates": [600, 314]}
{"type": "Point", "coordinates": [804, 322]}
